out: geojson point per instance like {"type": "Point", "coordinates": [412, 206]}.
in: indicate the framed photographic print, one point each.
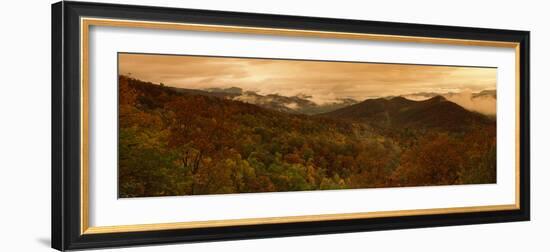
{"type": "Point", "coordinates": [181, 125]}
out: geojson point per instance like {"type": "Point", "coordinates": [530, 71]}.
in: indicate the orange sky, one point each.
{"type": "Point", "coordinates": [325, 81]}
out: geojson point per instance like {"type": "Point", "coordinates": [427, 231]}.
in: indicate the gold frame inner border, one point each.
{"type": "Point", "coordinates": [86, 23]}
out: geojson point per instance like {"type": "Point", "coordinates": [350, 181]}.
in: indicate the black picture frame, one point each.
{"type": "Point", "coordinates": [66, 156]}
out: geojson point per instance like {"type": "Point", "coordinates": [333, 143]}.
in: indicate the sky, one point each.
{"type": "Point", "coordinates": [323, 80]}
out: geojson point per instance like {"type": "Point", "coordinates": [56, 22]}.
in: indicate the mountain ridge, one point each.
{"type": "Point", "coordinates": [399, 112]}
{"type": "Point", "coordinates": [395, 112]}
{"type": "Point", "coordinates": [297, 104]}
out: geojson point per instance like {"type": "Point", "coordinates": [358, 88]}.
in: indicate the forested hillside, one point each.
{"type": "Point", "coordinates": [436, 113]}
{"type": "Point", "coordinates": [178, 142]}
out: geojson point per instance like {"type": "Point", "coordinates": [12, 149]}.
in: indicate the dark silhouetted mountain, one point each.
{"type": "Point", "coordinates": [231, 90]}
{"type": "Point", "coordinates": [485, 93]}
{"type": "Point", "coordinates": [398, 112]}
{"type": "Point", "coordinates": [226, 95]}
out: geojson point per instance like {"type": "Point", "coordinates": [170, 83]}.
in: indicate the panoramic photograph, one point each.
{"type": "Point", "coordinates": [199, 125]}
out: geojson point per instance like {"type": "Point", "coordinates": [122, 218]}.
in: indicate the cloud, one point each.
{"type": "Point", "coordinates": [482, 104]}
{"type": "Point", "coordinates": [485, 104]}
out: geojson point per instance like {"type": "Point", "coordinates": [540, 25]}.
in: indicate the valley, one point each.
{"type": "Point", "coordinates": [177, 141]}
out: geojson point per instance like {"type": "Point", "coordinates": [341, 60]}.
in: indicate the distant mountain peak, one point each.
{"type": "Point", "coordinates": [489, 92]}
{"type": "Point", "coordinates": [230, 90]}
{"type": "Point", "coordinates": [400, 99]}
{"type": "Point", "coordinates": [437, 98]}
{"type": "Point", "coordinates": [482, 102]}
